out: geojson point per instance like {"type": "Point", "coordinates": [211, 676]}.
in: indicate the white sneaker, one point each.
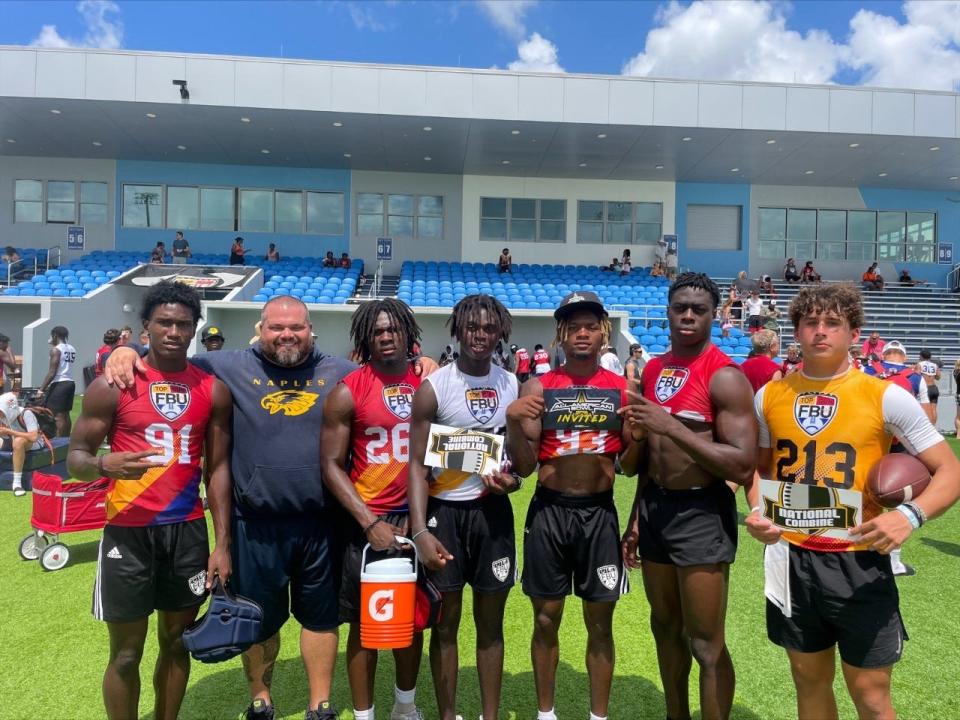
{"type": "Point", "coordinates": [414, 714]}
{"type": "Point", "coordinates": [19, 492]}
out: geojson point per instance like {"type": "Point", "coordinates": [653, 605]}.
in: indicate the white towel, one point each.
{"type": "Point", "coordinates": [776, 571]}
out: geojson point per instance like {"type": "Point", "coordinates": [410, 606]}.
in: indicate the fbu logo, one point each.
{"type": "Point", "coordinates": [380, 605]}
{"type": "Point", "coordinates": [814, 411]}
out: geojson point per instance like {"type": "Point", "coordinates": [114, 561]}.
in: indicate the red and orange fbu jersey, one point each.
{"type": "Point", "coordinates": [560, 443]}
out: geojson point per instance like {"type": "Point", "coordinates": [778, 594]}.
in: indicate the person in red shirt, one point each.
{"type": "Point", "coordinates": [572, 528]}
{"type": "Point", "coordinates": [364, 451]}
{"type": "Point", "coordinates": [793, 362]}
{"type": "Point", "coordinates": [541, 360]}
{"type": "Point", "coordinates": [873, 345]}
{"type": "Point", "coordinates": [760, 367]}
{"type": "Point", "coordinates": [523, 363]}
{"type": "Point", "coordinates": [345, 262]}
{"type": "Point", "coordinates": [110, 339]}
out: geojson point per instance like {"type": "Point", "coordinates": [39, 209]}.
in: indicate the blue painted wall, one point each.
{"type": "Point", "coordinates": [718, 263]}
{"type": "Point", "coordinates": [948, 222]}
{"type": "Point", "coordinates": [245, 176]}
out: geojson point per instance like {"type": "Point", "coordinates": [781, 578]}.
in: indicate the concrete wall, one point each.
{"type": "Point", "coordinates": [719, 263]}
{"type": "Point", "coordinates": [569, 252]}
{"type": "Point", "coordinates": [447, 248]}
{"type": "Point", "coordinates": [44, 235]}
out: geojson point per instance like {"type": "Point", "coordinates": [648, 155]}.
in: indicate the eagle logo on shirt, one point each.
{"type": "Point", "coordinates": [399, 399]}
{"type": "Point", "coordinates": [170, 399]}
{"type": "Point", "coordinates": [482, 403]}
{"type": "Point", "coordinates": [289, 402]}
{"type": "Point", "coordinates": [669, 382]}
{"type": "Point", "coordinates": [813, 411]}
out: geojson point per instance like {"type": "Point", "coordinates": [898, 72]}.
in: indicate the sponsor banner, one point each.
{"type": "Point", "coordinates": [811, 509]}
{"type": "Point", "coordinates": [472, 451]}
{"type": "Point", "coordinates": [201, 277]}
{"type": "Point", "coordinates": [581, 408]}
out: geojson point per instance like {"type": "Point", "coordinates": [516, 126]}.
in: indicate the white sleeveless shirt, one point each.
{"type": "Point", "coordinates": [472, 403]}
{"type": "Point", "coordinates": [68, 355]}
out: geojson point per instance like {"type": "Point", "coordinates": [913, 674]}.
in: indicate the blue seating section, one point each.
{"type": "Point", "coordinates": [312, 283]}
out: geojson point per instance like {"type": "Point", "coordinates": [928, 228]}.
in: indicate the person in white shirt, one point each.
{"type": "Point", "coordinates": [610, 361]}
{"type": "Point", "coordinates": [930, 371]}
{"type": "Point", "coordinates": [58, 385]}
{"type": "Point", "coordinates": [21, 427]}
{"type": "Point", "coordinates": [754, 308]}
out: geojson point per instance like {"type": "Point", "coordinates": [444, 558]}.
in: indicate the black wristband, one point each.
{"type": "Point", "coordinates": [370, 526]}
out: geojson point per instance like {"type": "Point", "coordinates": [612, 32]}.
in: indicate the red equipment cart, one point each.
{"type": "Point", "coordinates": [62, 507]}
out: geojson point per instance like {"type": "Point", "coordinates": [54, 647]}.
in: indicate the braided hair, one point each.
{"type": "Point", "coordinates": [695, 281]}
{"type": "Point", "coordinates": [471, 306]}
{"type": "Point", "coordinates": [364, 325]}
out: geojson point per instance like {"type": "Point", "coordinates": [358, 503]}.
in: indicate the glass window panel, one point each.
{"type": "Point", "coordinates": [920, 253]}
{"type": "Point", "coordinates": [830, 251]}
{"type": "Point", "coordinates": [920, 227]}
{"type": "Point", "coordinates": [28, 190]}
{"type": "Point", "coordinates": [771, 249]}
{"type": "Point", "coordinates": [399, 225]}
{"type": "Point", "coordinates": [553, 209]}
{"type": "Point", "coordinates": [619, 233]}
{"type": "Point", "coordinates": [93, 192]}
{"type": "Point", "coordinates": [772, 224]}
{"type": "Point", "coordinates": [801, 225]}
{"type": "Point", "coordinates": [553, 230]}
{"type": "Point", "coordinates": [256, 210]}
{"type": "Point", "coordinates": [523, 230]}
{"type": "Point", "coordinates": [61, 212]}
{"type": "Point", "coordinates": [800, 250]}
{"type": "Point", "coordinates": [619, 211]}
{"type": "Point", "coordinates": [289, 208]}
{"type": "Point", "coordinates": [143, 206]}
{"type": "Point", "coordinates": [325, 213]}
{"type": "Point", "coordinates": [590, 210]}
{"type": "Point", "coordinates": [589, 232]}
{"type": "Point", "coordinates": [61, 191]}
{"type": "Point", "coordinates": [523, 208]}
{"type": "Point", "coordinates": [26, 211]}
{"type": "Point", "coordinates": [832, 226]}
{"type": "Point", "coordinates": [369, 203]}
{"type": "Point", "coordinates": [865, 252]}
{"type": "Point", "coordinates": [400, 205]}
{"type": "Point", "coordinates": [493, 207]}
{"type": "Point", "coordinates": [183, 211]}
{"type": "Point", "coordinates": [430, 227]}
{"type": "Point", "coordinates": [890, 251]}
{"type": "Point", "coordinates": [649, 212]}
{"type": "Point", "coordinates": [647, 233]}
{"type": "Point", "coordinates": [370, 225]}
{"type": "Point", "coordinates": [216, 208]}
{"type": "Point", "coordinates": [430, 205]}
{"type": "Point", "coordinates": [861, 228]}
{"type": "Point", "coordinates": [493, 229]}
{"type": "Point", "coordinates": [93, 214]}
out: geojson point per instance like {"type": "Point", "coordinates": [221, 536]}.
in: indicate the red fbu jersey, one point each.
{"type": "Point", "coordinates": [523, 361]}
{"type": "Point", "coordinates": [559, 443]}
{"type": "Point", "coordinates": [168, 411]}
{"type": "Point", "coordinates": [682, 384]}
{"type": "Point", "coordinates": [380, 436]}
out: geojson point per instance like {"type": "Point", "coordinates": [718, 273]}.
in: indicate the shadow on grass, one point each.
{"type": "Point", "coordinates": [943, 546]}
{"type": "Point", "coordinates": [82, 552]}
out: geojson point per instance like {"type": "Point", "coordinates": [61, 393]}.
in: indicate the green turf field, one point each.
{"type": "Point", "coordinates": [53, 652]}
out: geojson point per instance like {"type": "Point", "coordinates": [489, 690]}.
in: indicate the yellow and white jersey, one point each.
{"type": "Point", "coordinates": [828, 433]}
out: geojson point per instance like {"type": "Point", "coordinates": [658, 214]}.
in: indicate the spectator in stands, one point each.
{"type": "Point", "coordinates": [345, 261]}
{"type": "Point", "coordinates": [872, 280]}
{"type": "Point", "coordinates": [633, 368]}
{"type": "Point", "coordinates": [126, 332]}
{"type": "Point", "coordinates": [10, 255]}
{"type": "Point", "coordinates": [790, 273]}
{"type": "Point", "coordinates": [809, 273]}
{"type": "Point", "coordinates": [612, 267]}
{"type": "Point", "coordinates": [759, 366]}
{"type": "Point", "coordinates": [110, 339]}
{"type": "Point", "coordinates": [673, 264]}
{"type": "Point", "coordinates": [905, 279]}
{"type": "Point", "coordinates": [212, 338]}
{"type": "Point", "coordinates": [329, 261]}
{"type": "Point", "coordinates": [793, 361]}
{"type": "Point", "coordinates": [743, 285]}
{"type": "Point", "coordinates": [754, 308]}
{"type": "Point", "coordinates": [929, 370]}
{"type": "Point", "coordinates": [610, 361]}
{"type": "Point", "coordinates": [446, 357]}
{"type": "Point", "coordinates": [626, 264]}
{"type": "Point", "coordinates": [7, 361]}
{"type": "Point", "coordinates": [658, 269]}
{"type": "Point", "coordinates": [505, 262]}
{"type": "Point", "coordinates": [273, 255]}
{"type": "Point", "coordinates": [159, 253]}
{"type": "Point", "coordinates": [181, 249]}
{"type": "Point", "coordinates": [19, 432]}
{"type": "Point", "coordinates": [237, 251]}
{"type": "Point", "coordinates": [873, 345]}
{"type": "Point", "coordinates": [660, 252]}
{"type": "Point", "coordinates": [766, 285]}
{"type": "Point", "coordinates": [726, 315]}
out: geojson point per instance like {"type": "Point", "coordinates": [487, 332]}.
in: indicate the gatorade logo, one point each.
{"type": "Point", "coordinates": [380, 605]}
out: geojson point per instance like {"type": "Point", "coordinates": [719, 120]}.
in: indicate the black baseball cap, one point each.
{"type": "Point", "coordinates": [579, 300]}
{"type": "Point", "coordinates": [211, 332]}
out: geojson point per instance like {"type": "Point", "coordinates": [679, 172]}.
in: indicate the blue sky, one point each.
{"type": "Point", "coordinates": [894, 44]}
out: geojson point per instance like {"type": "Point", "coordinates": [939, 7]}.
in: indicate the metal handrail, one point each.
{"type": "Point", "coordinates": [59, 256]}
{"type": "Point", "coordinates": [953, 278]}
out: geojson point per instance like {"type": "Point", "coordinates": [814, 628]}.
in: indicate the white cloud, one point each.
{"type": "Point", "coordinates": [508, 15]}
{"type": "Point", "coordinates": [536, 54]}
{"type": "Point", "coordinates": [734, 40]}
{"type": "Point", "coordinates": [103, 29]}
{"type": "Point", "coordinates": [364, 18]}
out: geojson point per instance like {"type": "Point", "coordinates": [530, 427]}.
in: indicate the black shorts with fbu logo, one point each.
{"type": "Point", "coordinates": [142, 569]}
{"type": "Point", "coordinates": [480, 536]}
{"type": "Point", "coordinates": [573, 543]}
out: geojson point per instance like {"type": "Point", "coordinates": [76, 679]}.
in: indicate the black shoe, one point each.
{"type": "Point", "coordinates": [906, 571]}
{"type": "Point", "coordinates": [258, 710]}
{"type": "Point", "coordinates": [324, 712]}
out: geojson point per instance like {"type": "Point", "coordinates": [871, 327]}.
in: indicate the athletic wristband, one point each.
{"type": "Point", "coordinates": [518, 483]}
{"type": "Point", "coordinates": [417, 534]}
{"type": "Point", "coordinates": [918, 511]}
{"type": "Point", "coordinates": [755, 508]}
{"type": "Point", "coordinates": [908, 513]}
{"type": "Point", "coordinates": [370, 526]}
{"type": "Point", "coordinates": [100, 465]}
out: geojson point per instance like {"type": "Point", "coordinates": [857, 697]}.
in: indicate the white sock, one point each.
{"type": "Point", "coordinates": [546, 714]}
{"type": "Point", "coordinates": [896, 564]}
{"type": "Point", "coordinates": [404, 701]}
{"type": "Point", "coordinates": [363, 714]}
{"type": "Point", "coordinates": [597, 717]}
{"type": "Point", "coordinates": [17, 480]}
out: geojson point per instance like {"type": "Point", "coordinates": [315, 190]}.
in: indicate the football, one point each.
{"type": "Point", "coordinates": [896, 479]}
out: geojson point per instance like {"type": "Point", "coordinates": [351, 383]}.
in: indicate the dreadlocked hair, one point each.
{"type": "Point", "coordinates": [471, 306]}
{"type": "Point", "coordinates": [563, 330]}
{"type": "Point", "coordinates": [364, 324]}
{"type": "Point", "coordinates": [695, 281]}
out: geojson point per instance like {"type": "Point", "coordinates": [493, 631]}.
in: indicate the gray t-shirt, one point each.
{"type": "Point", "coordinates": [180, 247]}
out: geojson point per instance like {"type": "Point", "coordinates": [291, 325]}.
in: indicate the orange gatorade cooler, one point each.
{"type": "Point", "coordinates": [387, 599]}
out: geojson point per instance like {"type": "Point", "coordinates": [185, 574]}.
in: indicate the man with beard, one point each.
{"type": "Point", "coordinates": [571, 528]}
{"type": "Point", "coordinates": [683, 526]}
{"type": "Point", "coordinates": [464, 532]}
{"type": "Point", "coordinates": [364, 451]}
{"type": "Point", "coordinates": [284, 554]}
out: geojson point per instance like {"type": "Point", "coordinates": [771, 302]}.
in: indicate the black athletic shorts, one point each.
{"type": "Point", "coordinates": [934, 392]}
{"type": "Point", "coordinates": [355, 541]}
{"type": "Point", "coordinates": [289, 563]}
{"type": "Point", "coordinates": [480, 536]}
{"type": "Point", "coordinates": [847, 599]}
{"type": "Point", "coordinates": [573, 543]}
{"type": "Point", "coordinates": [688, 527]}
{"type": "Point", "coordinates": [755, 322]}
{"type": "Point", "coordinates": [60, 396]}
{"type": "Point", "coordinates": [142, 569]}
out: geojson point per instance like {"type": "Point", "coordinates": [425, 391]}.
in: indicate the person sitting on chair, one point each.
{"type": "Point", "coordinates": [19, 432]}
